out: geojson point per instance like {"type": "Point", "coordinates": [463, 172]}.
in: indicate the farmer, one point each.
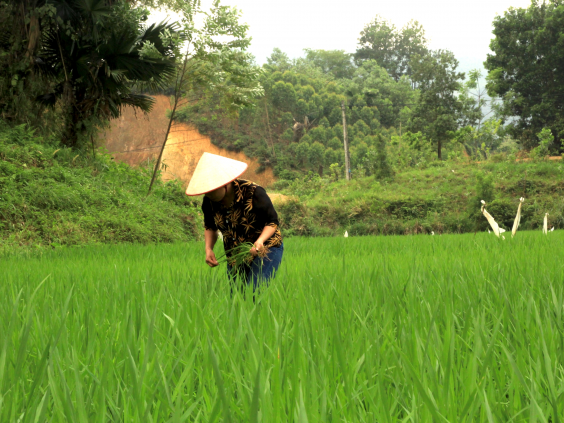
{"type": "Point", "coordinates": [242, 211]}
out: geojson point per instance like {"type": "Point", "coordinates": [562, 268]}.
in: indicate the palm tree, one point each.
{"type": "Point", "coordinates": [95, 53]}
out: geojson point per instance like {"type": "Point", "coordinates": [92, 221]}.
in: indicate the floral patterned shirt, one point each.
{"type": "Point", "coordinates": [245, 220]}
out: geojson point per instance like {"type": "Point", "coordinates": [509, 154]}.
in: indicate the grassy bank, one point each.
{"type": "Point", "coordinates": [51, 196]}
{"type": "Point", "coordinates": [350, 330]}
{"type": "Point", "coordinates": [444, 198]}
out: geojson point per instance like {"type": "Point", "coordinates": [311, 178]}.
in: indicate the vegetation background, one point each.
{"type": "Point", "coordinates": [427, 142]}
{"type": "Point", "coordinates": [140, 333]}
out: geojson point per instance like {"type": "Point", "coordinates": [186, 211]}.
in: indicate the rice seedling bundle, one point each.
{"type": "Point", "coordinates": [457, 328]}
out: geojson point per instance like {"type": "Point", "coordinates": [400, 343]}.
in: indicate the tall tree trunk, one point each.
{"type": "Point", "coordinates": [34, 36]}
{"type": "Point", "coordinates": [70, 136]}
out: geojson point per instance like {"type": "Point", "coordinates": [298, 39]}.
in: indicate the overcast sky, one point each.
{"type": "Point", "coordinates": [464, 27]}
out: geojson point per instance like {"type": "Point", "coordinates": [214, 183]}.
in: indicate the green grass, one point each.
{"type": "Point", "coordinates": [433, 199]}
{"type": "Point", "coordinates": [458, 328]}
{"type": "Point", "coordinates": [51, 196]}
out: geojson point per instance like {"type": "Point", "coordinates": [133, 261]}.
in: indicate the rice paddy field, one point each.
{"type": "Point", "coordinates": [451, 328]}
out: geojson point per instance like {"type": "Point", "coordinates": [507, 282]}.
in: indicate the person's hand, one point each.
{"type": "Point", "coordinates": [210, 258]}
{"type": "Point", "coordinates": [258, 246]}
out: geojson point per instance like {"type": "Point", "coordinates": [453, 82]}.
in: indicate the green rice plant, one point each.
{"type": "Point", "coordinates": [237, 256]}
{"type": "Point", "coordinates": [241, 255]}
{"type": "Point", "coordinates": [457, 328]}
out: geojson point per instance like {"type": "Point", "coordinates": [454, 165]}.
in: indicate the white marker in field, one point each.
{"type": "Point", "coordinates": [346, 234]}
{"type": "Point", "coordinates": [517, 218]}
{"type": "Point", "coordinates": [491, 220]}
{"type": "Point", "coordinates": [545, 224]}
{"type": "Point", "coordinates": [220, 235]}
{"type": "Point", "coordinates": [552, 229]}
{"type": "Point", "coordinates": [432, 233]}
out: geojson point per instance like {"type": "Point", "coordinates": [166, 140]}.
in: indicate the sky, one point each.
{"type": "Point", "coordinates": [464, 27]}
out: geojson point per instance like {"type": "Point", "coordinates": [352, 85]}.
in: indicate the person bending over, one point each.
{"type": "Point", "coordinates": [243, 213]}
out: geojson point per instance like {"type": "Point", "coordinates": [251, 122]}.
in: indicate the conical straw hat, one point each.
{"type": "Point", "coordinates": [212, 172]}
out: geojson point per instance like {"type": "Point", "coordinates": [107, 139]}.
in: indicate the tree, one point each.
{"type": "Point", "coordinates": [283, 96]}
{"type": "Point", "coordinates": [437, 111]}
{"type": "Point", "coordinates": [96, 59]}
{"type": "Point", "coordinates": [391, 48]}
{"type": "Point", "coordinates": [278, 60]}
{"type": "Point", "coordinates": [316, 156]}
{"type": "Point", "coordinates": [383, 97]}
{"type": "Point", "coordinates": [479, 142]}
{"type": "Point", "coordinates": [209, 65]}
{"type": "Point", "coordinates": [89, 56]}
{"type": "Point", "coordinates": [334, 62]}
{"type": "Point", "coordinates": [477, 136]}
{"type": "Point", "coordinates": [525, 69]}
{"type": "Point", "coordinates": [545, 140]}
{"type": "Point", "coordinates": [472, 97]}
{"type": "Point", "coordinates": [377, 159]}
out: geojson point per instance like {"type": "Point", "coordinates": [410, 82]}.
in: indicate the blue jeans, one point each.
{"type": "Point", "coordinates": [260, 271]}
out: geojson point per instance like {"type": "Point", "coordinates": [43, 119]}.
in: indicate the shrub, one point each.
{"type": "Point", "coordinates": [503, 211]}
{"type": "Point", "coordinates": [545, 140]}
{"type": "Point", "coordinates": [377, 160]}
{"type": "Point", "coordinates": [484, 191]}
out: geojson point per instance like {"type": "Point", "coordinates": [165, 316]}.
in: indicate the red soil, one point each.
{"type": "Point", "coordinates": [136, 137]}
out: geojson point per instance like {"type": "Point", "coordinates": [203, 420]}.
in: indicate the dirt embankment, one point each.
{"type": "Point", "coordinates": [136, 137]}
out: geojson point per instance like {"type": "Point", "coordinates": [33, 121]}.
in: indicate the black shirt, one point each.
{"type": "Point", "coordinates": [245, 220]}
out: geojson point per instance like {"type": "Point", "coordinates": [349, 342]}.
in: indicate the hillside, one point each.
{"type": "Point", "coordinates": [52, 196]}
{"type": "Point", "coordinates": [135, 138]}
{"type": "Point", "coordinates": [440, 199]}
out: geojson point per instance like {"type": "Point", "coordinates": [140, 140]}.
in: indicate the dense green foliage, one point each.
{"type": "Point", "coordinates": [80, 58]}
{"type": "Point", "coordinates": [67, 67]}
{"type": "Point", "coordinates": [394, 86]}
{"type": "Point", "coordinates": [397, 93]}
{"type": "Point", "coordinates": [297, 125]}
{"type": "Point", "coordinates": [438, 110]}
{"type": "Point", "coordinates": [56, 196]}
{"type": "Point", "coordinates": [392, 48]}
{"type": "Point", "coordinates": [525, 69]}
{"type": "Point", "coordinates": [51, 196]}
{"type": "Point", "coordinates": [442, 199]}
{"type": "Point", "coordinates": [350, 330]}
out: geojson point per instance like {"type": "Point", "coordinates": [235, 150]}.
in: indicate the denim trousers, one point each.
{"type": "Point", "coordinates": [260, 271]}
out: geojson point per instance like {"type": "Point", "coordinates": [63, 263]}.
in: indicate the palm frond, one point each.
{"type": "Point", "coordinates": [93, 10]}
{"type": "Point", "coordinates": [140, 101]}
{"type": "Point", "coordinates": [67, 10]}
{"type": "Point", "coordinates": [152, 34]}
{"type": "Point", "coordinates": [122, 52]}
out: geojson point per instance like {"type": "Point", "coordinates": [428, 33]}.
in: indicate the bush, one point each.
{"type": "Point", "coordinates": [497, 158]}
{"type": "Point", "coordinates": [545, 140]}
{"type": "Point", "coordinates": [484, 191]}
{"type": "Point", "coordinates": [307, 186]}
{"type": "Point", "coordinates": [377, 162]}
{"type": "Point", "coordinates": [503, 211]}
{"type": "Point", "coordinates": [280, 184]}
